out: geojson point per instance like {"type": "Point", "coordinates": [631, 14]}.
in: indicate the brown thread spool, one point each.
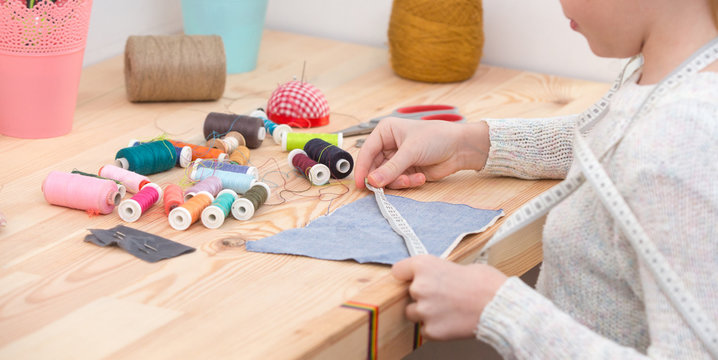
{"type": "Point", "coordinates": [174, 68]}
{"type": "Point", "coordinates": [217, 125]}
{"type": "Point", "coordinates": [436, 41]}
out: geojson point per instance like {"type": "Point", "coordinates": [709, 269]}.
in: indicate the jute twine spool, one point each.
{"type": "Point", "coordinates": [436, 41]}
{"type": "Point", "coordinates": [175, 68]}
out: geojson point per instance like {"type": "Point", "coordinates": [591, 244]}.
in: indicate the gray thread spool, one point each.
{"type": "Point", "coordinates": [175, 68]}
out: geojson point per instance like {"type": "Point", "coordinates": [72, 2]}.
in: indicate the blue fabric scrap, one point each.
{"type": "Point", "coordinates": [358, 231]}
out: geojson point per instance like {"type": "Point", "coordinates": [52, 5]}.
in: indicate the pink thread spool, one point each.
{"type": "Point", "coordinates": [318, 174]}
{"type": "Point", "coordinates": [173, 197]}
{"type": "Point", "coordinates": [81, 192]}
{"type": "Point", "coordinates": [131, 209]}
{"type": "Point", "coordinates": [132, 180]}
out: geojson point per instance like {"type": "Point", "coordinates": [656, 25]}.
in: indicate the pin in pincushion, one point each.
{"type": "Point", "coordinates": [298, 104]}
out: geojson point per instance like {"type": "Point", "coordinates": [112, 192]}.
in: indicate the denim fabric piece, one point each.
{"type": "Point", "coordinates": [358, 231]}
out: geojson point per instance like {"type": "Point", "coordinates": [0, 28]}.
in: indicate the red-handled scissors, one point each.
{"type": "Point", "coordinates": [418, 112]}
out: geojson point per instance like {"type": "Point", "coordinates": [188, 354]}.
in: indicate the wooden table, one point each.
{"type": "Point", "coordinates": [61, 297]}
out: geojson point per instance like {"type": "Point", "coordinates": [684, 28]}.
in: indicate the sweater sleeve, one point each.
{"type": "Point", "coordinates": [668, 165]}
{"type": "Point", "coordinates": [531, 148]}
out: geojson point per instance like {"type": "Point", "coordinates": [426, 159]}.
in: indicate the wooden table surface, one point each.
{"type": "Point", "coordinates": [61, 297]}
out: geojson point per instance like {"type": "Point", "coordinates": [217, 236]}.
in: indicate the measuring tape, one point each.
{"type": "Point", "coordinates": [668, 281]}
{"type": "Point", "coordinates": [397, 222]}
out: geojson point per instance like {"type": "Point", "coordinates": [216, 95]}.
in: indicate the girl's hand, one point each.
{"type": "Point", "coordinates": [403, 153]}
{"type": "Point", "coordinates": [449, 298]}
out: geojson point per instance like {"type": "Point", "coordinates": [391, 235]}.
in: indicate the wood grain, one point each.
{"type": "Point", "coordinates": [222, 301]}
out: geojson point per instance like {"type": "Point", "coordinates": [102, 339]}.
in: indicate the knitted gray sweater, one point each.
{"type": "Point", "coordinates": [594, 298]}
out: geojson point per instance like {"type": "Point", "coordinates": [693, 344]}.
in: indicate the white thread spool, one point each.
{"type": "Point", "coordinates": [278, 130]}
{"type": "Point", "coordinates": [243, 209]}
{"type": "Point", "coordinates": [319, 174]}
{"type": "Point", "coordinates": [213, 216]}
{"type": "Point", "coordinates": [130, 210]}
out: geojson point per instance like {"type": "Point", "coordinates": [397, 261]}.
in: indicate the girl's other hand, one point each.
{"type": "Point", "coordinates": [448, 298]}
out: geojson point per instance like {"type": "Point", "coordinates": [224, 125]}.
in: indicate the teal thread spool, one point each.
{"type": "Point", "coordinates": [292, 140]}
{"type": "Point", "coordinates": [213, 216]}
{"type": "Point", "coordinates": [147, 158]}
{"type": "Point", "coordinates": [244, 207]}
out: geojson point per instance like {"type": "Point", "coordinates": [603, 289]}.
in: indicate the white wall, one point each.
{"type": "Point", "coordinates": [523, 34]}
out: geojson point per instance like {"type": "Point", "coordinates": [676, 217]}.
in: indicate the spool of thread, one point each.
{"type": "Point", "coordinates": [175, 68]}
{"type": "Point", "coordinates": [274, 129]}
{"type": "Point", "coordinates": [244, 207]}
{"type": "Point", "coordinates": [211, 185]}
{"type": "Point", "coordinates": [228, 143]}
{"type": "Point", "coordinates": [184, 154]}
{"type": "Point", "coordinates": [121, 189]}
{"type": "Point", "coordinates": [318, 174]}
{"type": "Point", "coordinates": [213, 215]}
{"type": "Point", "coordinates": [81, 192]}
{"type": "Point", "coordinates": [339, 162]}
{"type": "Point", "coordinates": [201, 152]}
{"type": "Point", "coordinates": [131, 209]}
{"type": "Point", "coordinates": [132, 180]}
{"type": "Point", "coordinates": [217, 125]}
{"type": "Point", "coordinates": [436, 41]}
{"type": "Point", "coordinates": [211, 165]}
{"type": "Point", "coordinates": [238, 182]}
{"type": "Point", "coordinates": [173, 197]}
{"type": "Point", "coordinates": [183, 216]}
{"type": "Point", "coordinates": [291, 141]}
{"type": "Point", "coordinates": [240, 156]}
{"type": "Point", "coordinates": [147, 158]}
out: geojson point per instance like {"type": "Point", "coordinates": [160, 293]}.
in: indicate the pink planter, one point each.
{"type": "Point", "coordinates": [41, 52]}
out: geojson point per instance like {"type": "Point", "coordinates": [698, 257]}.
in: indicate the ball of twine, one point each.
{"type": "Point", "coordinates": [436, 41]}
{"type": "Point", "coordinates": [175, 68]}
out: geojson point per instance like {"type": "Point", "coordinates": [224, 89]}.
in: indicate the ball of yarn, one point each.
{"type": "Point", "coordinates": [298, 104]}
{"type": "Point", "coordinates": [174, 68]}
{"type": "Point", "coordinates": [436, 41]}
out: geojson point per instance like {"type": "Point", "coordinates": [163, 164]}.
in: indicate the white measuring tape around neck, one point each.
{"type": "Point", "coordinates": [397, 222]}
{"type": "Point", "coordinates": [668, 281]}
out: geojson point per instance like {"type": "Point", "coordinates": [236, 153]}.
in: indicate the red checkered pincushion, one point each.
{"type": "Point", "coordinates": [298, 104]}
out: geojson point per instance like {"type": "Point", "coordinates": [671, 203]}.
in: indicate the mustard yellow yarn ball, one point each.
{"type": "Point", "coordinates": [436, 41]}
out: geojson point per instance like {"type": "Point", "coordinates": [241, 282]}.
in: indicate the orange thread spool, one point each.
{"type": "Point", "coordinates": [240, 155]}
{"type": "Point", "coordinates": [183, 216]}
{"type": "Point", "coordinates": [201, 152]}
{"type": "Point", "coordinates": [174, 197]}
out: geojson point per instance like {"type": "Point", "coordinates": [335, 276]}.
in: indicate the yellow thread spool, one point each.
{"type": "Point", "coordinates": [292, 140]}
{"type": "Point", "coordinates": [436, 41]}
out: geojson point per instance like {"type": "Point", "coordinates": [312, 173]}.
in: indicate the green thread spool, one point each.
{"type": "Point", "coordinates": [245, 207]}
{"type": "Point", "coordinates": [148, 158]}
{"type": "Point", "coordinates": [292, 140]}
{"type": "Point", "coordinates": [213, 216]}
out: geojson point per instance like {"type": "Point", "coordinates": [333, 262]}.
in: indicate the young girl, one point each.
{"type": "Point", "coordinates": [657, 141]}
